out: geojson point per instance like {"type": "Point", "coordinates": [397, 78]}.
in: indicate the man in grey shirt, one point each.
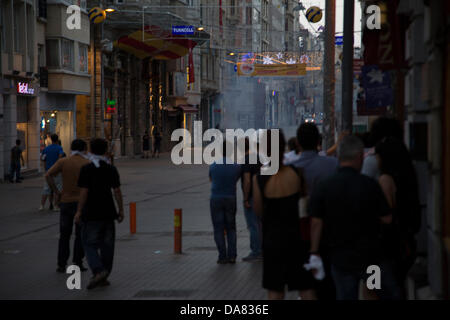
{"type": "Point", "coordinates": [315, 167]}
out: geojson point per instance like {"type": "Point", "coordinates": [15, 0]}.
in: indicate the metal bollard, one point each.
{"type": "Point", "coordinates": [132, 217]}
{"type": "Point", "coordinates": [177, 230]}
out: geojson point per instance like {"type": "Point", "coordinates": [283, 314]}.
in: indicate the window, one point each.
{"type": "Point", "coordinates": [83, 51]}
{"type": "Point", "coordinates": [53, 55]}
{"type": "Point", "coordinates": [232, 7]}
{"type": "Point", "coordinates": [248, 15]}
{"type": "Point", "coordinates": [18, 22]}
{"type": "Point", "coordinates": [42, 12]}
{"type": "Point", "coordinates": [2, 35]}
{"type": "Point", "coordinates": [67, 54]}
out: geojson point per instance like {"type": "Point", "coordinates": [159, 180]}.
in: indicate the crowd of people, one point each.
{"type": "Point", "coordinates": [316, 225]}
{"type": "Point", "coordinates": [325, 217]}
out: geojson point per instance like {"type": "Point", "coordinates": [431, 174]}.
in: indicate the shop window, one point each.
{"type": "Point", "coordinates": [67, 54]}
{"type": "Point", "coordinates": [83, 59]}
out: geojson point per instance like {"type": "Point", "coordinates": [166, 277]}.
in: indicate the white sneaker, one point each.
{"type": "Point", "coordinates": [41, 208]}
{"type": "Point", "coordinates": [55, 208]}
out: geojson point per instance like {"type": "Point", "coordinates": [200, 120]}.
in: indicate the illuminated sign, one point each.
{"type": "Point", "coordinates": [110, 109]}
{"type": "Point", "coordinates": [182, 30]}
{"type": "Point", "coordinates": [24, 88]}
{"type": "Point", "coordinates": [271, 70]}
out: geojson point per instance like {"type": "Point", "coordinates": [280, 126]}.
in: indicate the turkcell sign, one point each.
{"type": "Point", "coordinates": [181, 30]}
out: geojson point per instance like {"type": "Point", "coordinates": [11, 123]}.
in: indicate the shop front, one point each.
{"type": "Point", "coordinates": [58, 115]}
{"type": "Point", "coordinates": [26, 124]}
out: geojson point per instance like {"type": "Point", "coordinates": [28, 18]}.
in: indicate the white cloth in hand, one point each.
{"type": "Point", "coordinates": [315, 262]}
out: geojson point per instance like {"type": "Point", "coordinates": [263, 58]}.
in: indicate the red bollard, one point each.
{"type": "Point", "coordinates": [132, 217]}
{"type": "Point", "coordinates": [177, 231]}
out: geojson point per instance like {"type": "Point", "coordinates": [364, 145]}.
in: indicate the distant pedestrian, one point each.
{"type": "Point", "coordinates": [69, 168]}
{"type": "Point", "coordinates": [146, 145]}
{"type": "Point", "coordinates": [347, 211]}
{"type": "Point", "coordinates": [157, 140]}
{"type": "Point", "coordinates": [398, 181]}
{"type": "Point", "coordinates": [223, 179]}
{"type": "Point", "coordinates": [96, 212]}
{"type": "Point", "coordinates": [16, 159]}
{"type": "Point", "coordinates": [315, 168]}
{"type": "Point", "coordinates": [50, 155]}
{"type": "Point", "coordinates": [249, 170]}
{"type": "Point", "coordinates": [276, 199]}
{"type": "Point", "coordinates": [294, 152]}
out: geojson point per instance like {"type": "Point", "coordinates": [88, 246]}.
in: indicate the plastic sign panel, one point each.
{"type": "Point", "coordinates": [24, 88]}
{"type": "Point", "coordinates": [271, 70]}
{"type": "Point", "coordinates": [182, 30]}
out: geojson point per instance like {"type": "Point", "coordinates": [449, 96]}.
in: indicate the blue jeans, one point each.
{"type": "Point", "coordinates": [254, 228]}
{"type": "Point", "coordinates": [15, 169]}
{"type": "Point", "coordinates": [98, 239]}
{"type": "Point", "coordinates": [67, 215]}
{"type": "Point", "coordinates": [223, 215]}
{"type": "Point", "coordinates": [347, 283]}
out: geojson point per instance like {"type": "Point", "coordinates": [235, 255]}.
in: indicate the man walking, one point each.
{"type": "Point", "coordinates": [223, 206]}
{"type": "Point", "coordinates": [96, 211]}
{"type": "Point", "coordinates": [348, 210]}
{"type": "Point", "coordinates": [16, 158]}
{"type": "Point", "coordinates": [50, 155]}
{"type": "Point", "coordinates": [253, 221]}
{"type": "Point", "coordinates": [69, 168]}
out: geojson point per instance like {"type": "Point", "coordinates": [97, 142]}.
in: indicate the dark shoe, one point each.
{"type": "Point", "coordinates": [61, 269]}
{"type": "Point", "coordinates": [251, 258]}
{"type": "Point", "coordinates": [51, 207]}
{"type": "Point", "coordinates": [232, 260]}
{"type": "Point", "coordinates": [18, 181]}
{"type": "Point", "coordinates": [222, 261]}
{"type": "Point", "coordinates": [97, 279]}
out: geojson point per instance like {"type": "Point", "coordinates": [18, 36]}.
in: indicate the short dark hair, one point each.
{"type": "Point", "coordinates": [18, 142]}
{"type": "Point", "coordinates": [98, 146]}
{"type": "Point", "coordinates": [54, 138]}
{"type": "Point", "coordinates": [384, 127]}
{"type": "Point", "coordinates": [308, 136]}
{"type": "Point", "coordinates": [78, 145]}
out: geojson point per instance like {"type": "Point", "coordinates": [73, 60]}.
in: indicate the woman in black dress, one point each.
{"type": "Point", "coordinates": [276, 199]}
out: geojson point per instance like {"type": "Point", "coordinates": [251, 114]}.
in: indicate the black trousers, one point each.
{"type": "Point", "coordinates": [66, 222]}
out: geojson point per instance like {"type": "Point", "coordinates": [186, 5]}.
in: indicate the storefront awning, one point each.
{"type": "Point", "coordinates": [187, 108]}
{"type": "Point", "coordinates": [155, 42]}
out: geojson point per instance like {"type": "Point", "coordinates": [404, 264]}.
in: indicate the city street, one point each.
{"type": "Point", "coordinates": [145, 266]}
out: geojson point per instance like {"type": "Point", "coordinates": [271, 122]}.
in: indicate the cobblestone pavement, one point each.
{"type": "Point", "coordinates": [145, 266]}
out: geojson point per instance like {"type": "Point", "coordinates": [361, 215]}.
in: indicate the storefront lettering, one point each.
{"type": "Point", "coordinates": [23, 88]}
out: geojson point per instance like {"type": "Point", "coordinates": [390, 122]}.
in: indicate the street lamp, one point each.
{"type": "Point", "coordinates": [110, 9]}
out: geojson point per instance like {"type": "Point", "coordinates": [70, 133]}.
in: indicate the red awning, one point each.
{"type": "Point", "coordinates": [188, 108]}
{"type": "Point", "coordinates": [155, 42]}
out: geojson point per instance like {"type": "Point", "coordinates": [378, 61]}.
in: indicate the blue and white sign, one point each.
{"type": "Point", "coordinates": [339, 40]}
{"type": "Point", "coordinates": [377, 87]}
{"type": "Point", "coordinates": [182, 30]}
